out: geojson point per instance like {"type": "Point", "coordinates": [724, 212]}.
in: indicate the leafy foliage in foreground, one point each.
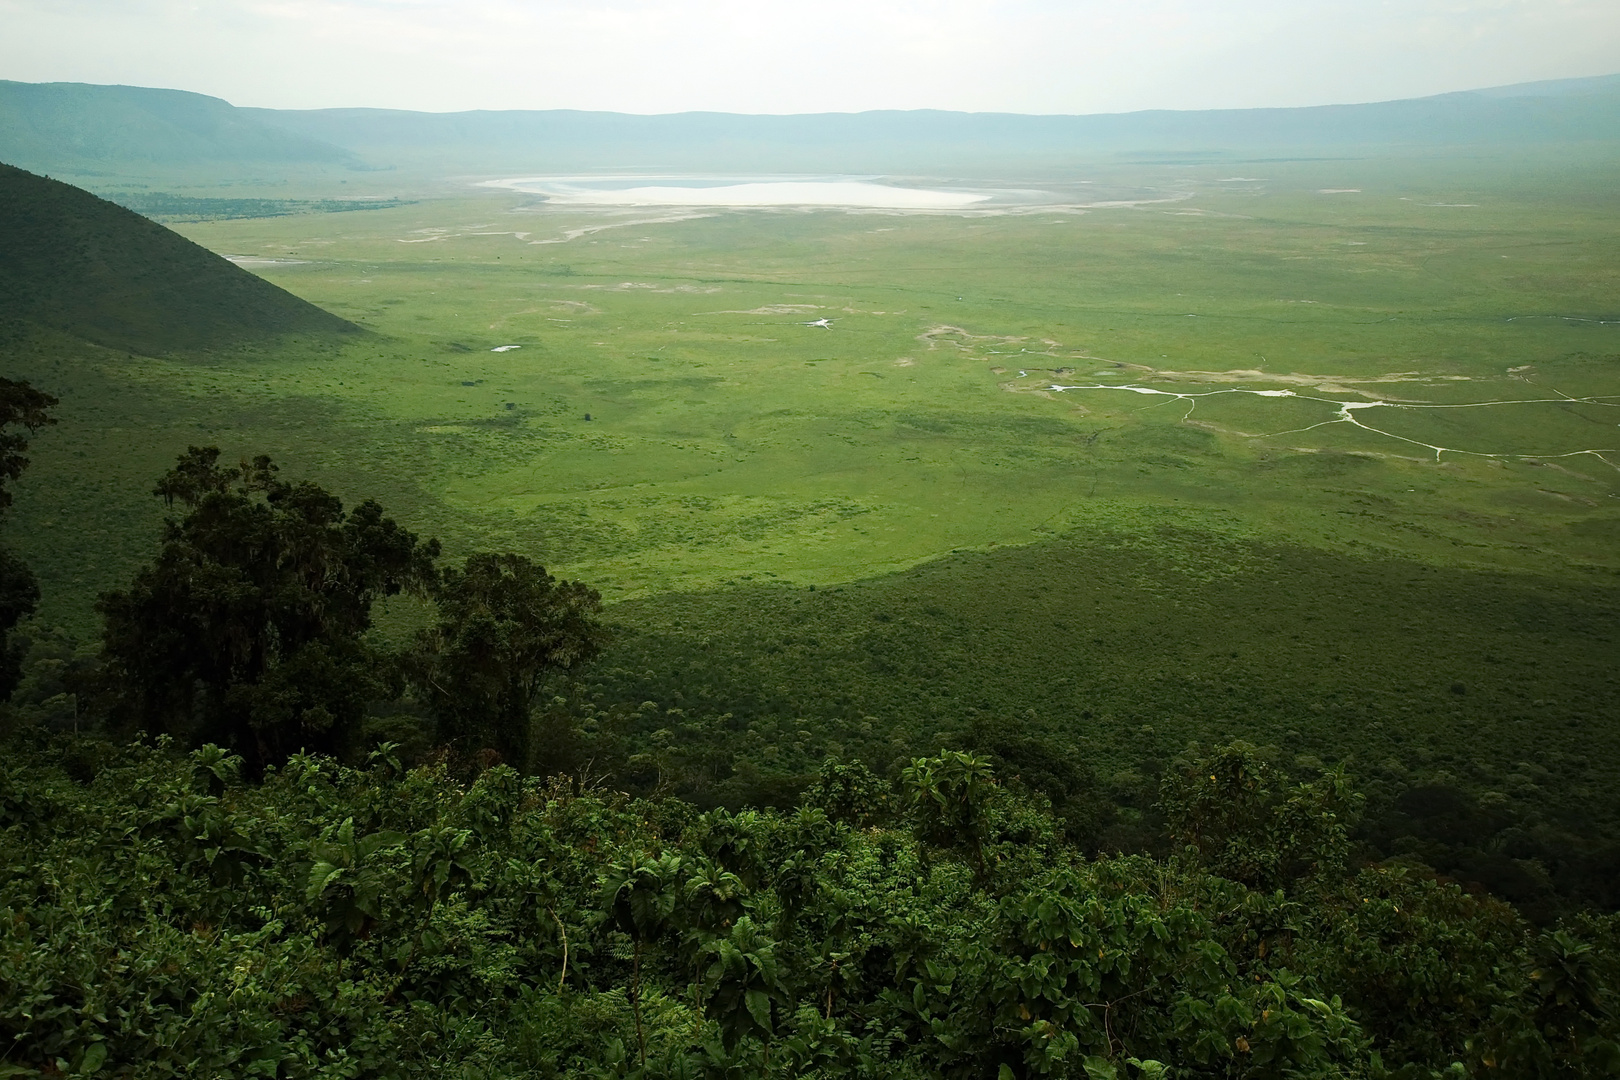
{"type": "Point", "coordinates": [159, 917]}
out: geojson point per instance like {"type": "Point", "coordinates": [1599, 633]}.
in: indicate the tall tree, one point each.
{"type": "Point", "coordinates": [247, 628]}
{"type": "Point", "coordinates": [21, 407]}
{"type": "Point", "coordinates": [505, 628]}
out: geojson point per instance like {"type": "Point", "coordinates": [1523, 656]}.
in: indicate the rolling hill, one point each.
{"type": "Point", "coordinates": [75, 265]}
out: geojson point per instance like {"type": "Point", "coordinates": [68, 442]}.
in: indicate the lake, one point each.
{"type": "Point", "coordinates": [735, 191]}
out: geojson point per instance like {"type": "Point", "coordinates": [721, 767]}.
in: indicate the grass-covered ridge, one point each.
{"type": "Point", "coordinates": [81, 267]}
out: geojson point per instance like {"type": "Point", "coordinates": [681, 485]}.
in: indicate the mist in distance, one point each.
{"type": "Point", "coordinates": [656, 56]}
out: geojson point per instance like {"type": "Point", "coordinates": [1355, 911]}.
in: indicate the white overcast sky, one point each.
{"type": "Point", "coordinates": [770, 56]}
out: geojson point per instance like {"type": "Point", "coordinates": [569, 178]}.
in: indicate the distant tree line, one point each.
{"type": "Point", "coordinates": [167, 207]}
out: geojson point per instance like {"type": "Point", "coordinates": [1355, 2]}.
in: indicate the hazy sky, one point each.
{"type": "Point", "coordinates": [1041, 56]}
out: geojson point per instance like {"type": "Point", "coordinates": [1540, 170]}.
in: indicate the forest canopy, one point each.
{"type": "Point", "coordinates": [164, 915]}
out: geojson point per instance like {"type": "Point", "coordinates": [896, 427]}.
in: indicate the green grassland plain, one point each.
{"type": "Point", "coordinates": [729, 440]}
{"type": "Point", "coordinates": [1073, 541]}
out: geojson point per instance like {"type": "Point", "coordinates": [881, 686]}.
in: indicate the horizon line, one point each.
{"type": "Point", "coordinates": [1615, 75]}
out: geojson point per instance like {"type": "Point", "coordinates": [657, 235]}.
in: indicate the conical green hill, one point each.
{"type": "Point", "coordinates": [73, 264]}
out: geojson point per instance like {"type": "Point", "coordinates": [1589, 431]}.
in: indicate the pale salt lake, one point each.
{"type": "Point", "coordinates": [585, 191]}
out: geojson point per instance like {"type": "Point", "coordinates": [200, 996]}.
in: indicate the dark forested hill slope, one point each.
{"type": "Point", "coordinates": [78, 265]}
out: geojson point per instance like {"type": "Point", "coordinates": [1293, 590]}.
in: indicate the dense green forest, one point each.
{"type": "Point", "coordinates": [163, 917]}
{"type": "Point", "coordinates": [1093, 659]}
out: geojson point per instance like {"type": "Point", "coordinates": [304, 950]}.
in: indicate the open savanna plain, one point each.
{"type": "Point", "coordinates": [1323, 454]}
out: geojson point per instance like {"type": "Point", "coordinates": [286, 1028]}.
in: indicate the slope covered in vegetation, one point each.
{"type": "Point", "coordinates": [1475, 706]}
{"type": "Point", "coordinates": [162, 918]}
{"type": "Point", "coordinates": [276, 913]}
{"type": "Point", "coordinates": [80, 266]}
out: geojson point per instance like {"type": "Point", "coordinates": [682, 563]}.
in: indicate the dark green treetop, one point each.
{"type": "Point", "coordinates": [505, 628]}
{"type": "Point", "coordinates": [21, 406]}
{"type": "Point", "coordinates": [246, 629]}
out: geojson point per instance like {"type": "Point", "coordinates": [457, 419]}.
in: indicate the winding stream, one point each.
{"type": "Point", "coordinates": [1347, 410]}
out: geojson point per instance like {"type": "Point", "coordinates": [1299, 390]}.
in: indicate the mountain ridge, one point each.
{"type": "Point", "coordinates": [87, 124]}
{"type": "Point", "coordinates": [86, 127]}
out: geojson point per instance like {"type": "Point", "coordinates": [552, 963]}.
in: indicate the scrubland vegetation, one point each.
{"type": "Point", "coordinates": [163, 918]}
